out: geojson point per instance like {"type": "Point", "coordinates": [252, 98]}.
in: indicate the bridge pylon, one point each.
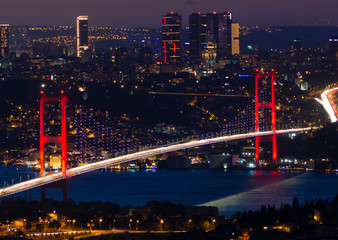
{"type": "Point", "coordinates": [62, 138]}
{"type": "Point", "coordinates": [270, 104]}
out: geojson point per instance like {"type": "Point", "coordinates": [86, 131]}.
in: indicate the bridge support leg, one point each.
{"type": "Point", "coordinates": [270, 105]}
{"type": "Point", "coordinates": [257, 151]}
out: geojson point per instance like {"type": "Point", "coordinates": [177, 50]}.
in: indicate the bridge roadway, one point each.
{"type": "Point", "coordinates": [328, 103]}
{"type": "Point", "coordinates": [40, 181]}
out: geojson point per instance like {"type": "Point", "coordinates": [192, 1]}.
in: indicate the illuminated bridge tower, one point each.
{"type": "Point", "coordinates": [261, 106]}
{"type": "Point", "coordinates": [61, 138]}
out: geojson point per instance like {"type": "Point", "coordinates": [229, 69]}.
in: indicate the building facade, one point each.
{"type": "Point", "coordinates": [197, 36]}
{"type": "Point", "coordinates": [4, 41]}
{"type": "Point", "coordinates": [81, 35]}
{"type": "Point", "coordinates": [171, 38]}
{"type": "Point", "coordinates": [333, 52]}
{"type": "Point", "coordinates": [213, 28]}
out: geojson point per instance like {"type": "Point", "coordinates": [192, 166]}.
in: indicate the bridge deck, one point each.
{"type": "Point", "coordinates": [40, 181]}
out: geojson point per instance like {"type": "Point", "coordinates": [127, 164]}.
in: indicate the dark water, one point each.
{"type": "Point", "coordinates": [229, 191]}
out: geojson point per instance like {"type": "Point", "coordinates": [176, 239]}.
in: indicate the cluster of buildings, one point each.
{"type": "Point", "coordinates": [212, 36]}
{"type": "Point", "coordinates": [209, 63]}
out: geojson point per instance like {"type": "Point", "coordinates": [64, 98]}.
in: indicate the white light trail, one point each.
{"type": "Point", "coordinates": [327, 105]}
{"type": "Point", "coordinates": [36, 182]}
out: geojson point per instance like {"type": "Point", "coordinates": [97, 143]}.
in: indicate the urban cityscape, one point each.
{"type": "Point", "coordinates": [198, 128]}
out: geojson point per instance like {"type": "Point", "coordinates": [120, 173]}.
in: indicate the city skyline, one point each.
{"type": "Point", "coordinates": [149, 12]}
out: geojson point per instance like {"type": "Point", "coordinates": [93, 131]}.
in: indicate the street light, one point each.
{"type": "Point", "coordinates": [162, 224]}
{"type": "Point", "coordinates": [137, 221]}
{"type": "Point", "coordinates": [114, 224]}
{"type": "Point", "coordinates": [100, 222]}
{"type": "Point", "coordinates": [130, 221]}
{"type": "Point", "coordinates": [91, 225]}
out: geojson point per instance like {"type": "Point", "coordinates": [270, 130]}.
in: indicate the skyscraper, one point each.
{"type": "Point", "coordinates": [295, 53]}
{"type": "Point", "coordinates": [213, 28]}
{"type": "Point", "coordinates": [81, 34]}
{"type": "Point", "coordinates": [4, 41]}
{"type": "Point", "coordinates": [171, 38]}
{"type": "Point", "coordinates": [197, 36]}
{"type": "Point", "coordinates": [234, 38]}
{"type": "Point", "coordinates": [333, 52]}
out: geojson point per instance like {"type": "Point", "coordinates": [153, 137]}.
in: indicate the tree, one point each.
{"type": "Point", "coordinates": [40, 227]}
{"type": "Point", "coordinates": [54, 224]}
{"type": "Point", "coordinates": [28, 226]}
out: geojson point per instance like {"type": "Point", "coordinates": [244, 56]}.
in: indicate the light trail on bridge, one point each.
{"type": "Point", "coordinates": [199, 94]}
{"type": "Point", "coordinates": [53, 177]}
{"type": "Point", "coordinates": [328, 104]}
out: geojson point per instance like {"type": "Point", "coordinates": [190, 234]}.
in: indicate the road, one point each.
{"type": "Point", "coordinates": [53, 177]}
{"type": "Point", "coordinates": [199, 94]}
{"type": "Point", "coordinates": [328, 104]}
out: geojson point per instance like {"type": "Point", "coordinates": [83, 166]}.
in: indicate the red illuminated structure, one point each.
{"type": "Point", "coordinates": [53, 139]}
{"type": "Point", "coordinates": [171, 37]}
{"type": "Point", "coordinates": [269, 105]}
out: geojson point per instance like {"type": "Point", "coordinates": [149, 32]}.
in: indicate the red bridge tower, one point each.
{"type": "Point", "coordinates": [271, 105]}
{"type": "Point", "coordinates": [53, 139]}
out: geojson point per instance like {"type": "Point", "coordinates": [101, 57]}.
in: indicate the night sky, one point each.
{"type": "Point", "coordinates": [136, 13]}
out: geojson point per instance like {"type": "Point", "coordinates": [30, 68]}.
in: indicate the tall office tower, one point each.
{"type": "Point", "coordinates": [81, 34]}
{"type": "Point", "coordinates": [234, 38]}
{"type": "Point", "coordinates": [213, 28]}
{"type": "Point", "coordinates": [295, 53]}
{"type": "Point", "coordinates": [171, 37]}
{"type": "Point", "coordinates": [333, 52]}
{"type": "Point", "coordinates": [223, 33]}
{"type": "Point", "coordinates": [197, 36]}
{"type": "Point", "coordinates": [4, 41]}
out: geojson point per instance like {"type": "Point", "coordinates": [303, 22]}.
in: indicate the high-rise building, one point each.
{"type": "Point", "coordinates": [295, 53]}
{"type": "Point", "coordinates": [171, 38]}
{"type": "Point", "coordinates": [81, 34]}
{"type": "Point", "coordinates": [333, 52]}
{"type": "Point", "coordinates": [197, 36]}
{"type": "Point", "coordinates": [222, 32]}
{"type": "Point", "coordinates": [213, 28]}
{"type": "Point", "coordinates": [234, 38]}
{"type": "Point", "coordinates": [4, 41]}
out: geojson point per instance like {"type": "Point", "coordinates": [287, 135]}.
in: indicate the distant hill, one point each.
{"type": "Point", "coordinates": [281, 36]}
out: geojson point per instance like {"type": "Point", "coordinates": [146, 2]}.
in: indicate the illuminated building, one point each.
{"type": "Point", "coordinates": [295, 53]}
{"type": "Point", "coordinates": [81, 34]}
{"type": "Point", "coordinates": [234, 39]}
{"type": "Point", "coordinates": [4, 41]}
{"type": "Point", "coordinates": [171, 38]}
{"type": "Point", "coordinates": [333, 51]}
{"type": "Point", "coordinates": [219, 32]}
{"type": "Point", "coordinates": [213, 28]}
{"type": "Point", "coordinates": [197, 36]}
{"type": "Point", "coordinates": [209, 57]}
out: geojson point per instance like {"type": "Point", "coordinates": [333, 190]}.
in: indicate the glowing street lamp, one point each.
{"type": "Point", "coordinates": [162, 224]}
{"type": "Point", "coordinates": [130, 221]}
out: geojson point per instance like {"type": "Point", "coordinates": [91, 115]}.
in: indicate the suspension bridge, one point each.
{"type": "Point", "coordinates": [257, 120]}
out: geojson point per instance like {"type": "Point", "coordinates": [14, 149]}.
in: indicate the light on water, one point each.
{"type": "Point", "coordinates": [229, 191]}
